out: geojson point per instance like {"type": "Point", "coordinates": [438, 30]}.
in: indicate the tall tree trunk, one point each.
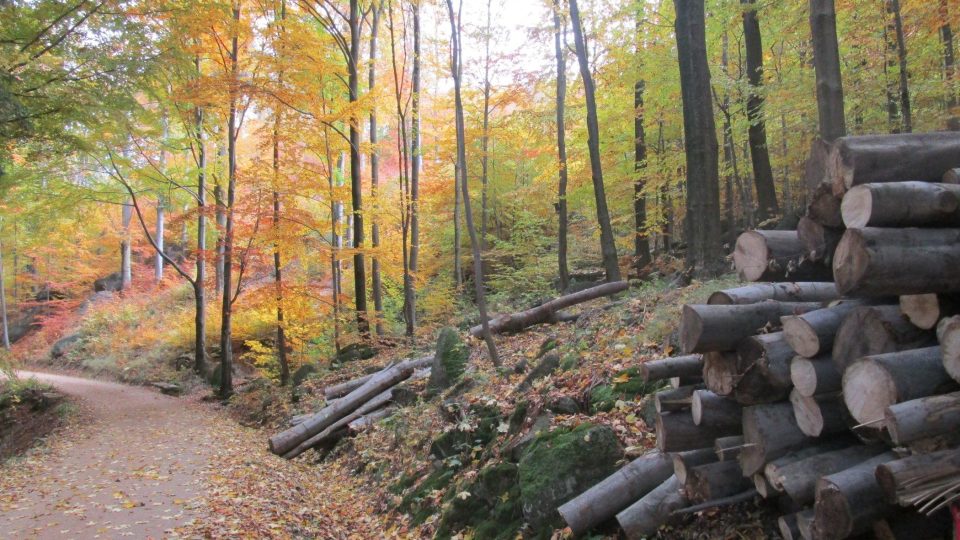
{"type": "Point", "coordinates": [641, 242]}
{"type": "Point", "coordinates": [826, 60]}
{"type": "Point", "coordinates": [3, 304]}
{"type": "Point", "coordinates": [607, 244]}
{"type": "Point", "coordinates": [890, 62]}
{"type": "Point", "coordinates": [410, 295]}
{"type": "Point", "coordinates": [785, 169]}
{"type": "Point", "coordinates": [759, 153]}
{"type": "Point", "coordinates": [457, 259]}
{"type": "Point", "coordinates": [356, 181]}
{"type": "Point", "coordinates": [558, 31]}
{"type": "Point", "coordinates": [902, 59]}
{"type": "Point", "coordinates": [335, 241]}
{"type": "Point", "coordinates": [376, 282]}
{"type": "Point", "coordinates": [949, 70]}
{"type": "Point", "coordinates": [221, 217]}
{"type": "Point", "coordinates": [277, 274]}
{"type": "Point", "coordinates": [700, 139]}
{"type": "Point", "coordinates": [199, 294]}
{"type": "Point", "coordinates": [455, 63]}
{"type": "Point", "coordinates": [158, 235]}
{"type": "Point", "coordinates": [126, 273]}
{"type": "Point", "coordinates": [485, 136]}
{"type": "Point", "coordinates": [226, 333]}
{"type": "Point", "coordinates": [729, 160]}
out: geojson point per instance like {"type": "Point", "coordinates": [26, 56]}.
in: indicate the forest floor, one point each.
{"type": "Point", "coordinates": [139, 464]}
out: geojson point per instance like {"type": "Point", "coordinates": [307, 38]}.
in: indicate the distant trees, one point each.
{"type": "Point", "coordinates": [558, 33]}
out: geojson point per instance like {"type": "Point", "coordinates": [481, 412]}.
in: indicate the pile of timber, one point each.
{"type": "Point", "coordinates": [351, 407]}
{"type": "Point", "coordinates": [837, 398]}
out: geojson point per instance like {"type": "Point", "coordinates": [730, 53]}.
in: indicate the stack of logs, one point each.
{"type": "Point", "coordinates": [838, 397]}
{"type": "Point", "coordinates": [351, 406]}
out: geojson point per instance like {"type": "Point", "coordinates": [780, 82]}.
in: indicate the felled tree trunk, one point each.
{"type": "Point", "coordinates": [616, 492]}
{"type": "Point", "coordinates": [769, 431]}
{"type": "Point", "coordinates": [798, 478]}
{"type": "Point", "coordinates": [789, 529]}
{"type": "Point", "coordinates": [902, 204]}
{"type": "Point", "coordinates": [876, 262]}
{"type": "Point", "coordinates": [775, 256]}
{"type": "Point", "coordinates": [676, 432]}
{"type": "Point", "coordinates": [873, 383]}
{"type": "Point", "coordinates": [804, 291]}
{"type": "Point", "coordinates": [824, 207]}
{"type": "Point", "coordinates": [344, 388]}
{"type": "Point", "coordinates": [819, 415]}
{"type": "Point", "coordinates": [813, 376]}
{"type": "Point", "coordinates": [544, 313]}
{"type": "Point", "coordinates": [902, 479]}
{"type": "Point", "coordinates": [705, 328]}
{"type": "Point", "coordinates": [948, 334]}
{"type": "Point", "coordinates": [926, 310]}
{"type": "Point", "coordinates": [720, 372]}
{"type": "Point", "coordinates": [812, 333]}
{"type": "Point", "coordinates": [728, 448]}
{"type": "Point", "coordinates": [763, 362]}
{"type": "Point", "coordinates": [892, 158]}
{"type": "Point", "coordinates": [869, 330]}
{"type": "Point", "coordinates": [715, 480]}
{"type": "Point", "coordinates": [675, 399]}
{"type": "Point", "coordinates": [689, 366]}
{"type": "Point", "coordinates": [819, 241]}
{"type": "Point", "coordinates": [772, 469]}
{"type": "Point", "coordinates": [713, 410]}
{"type": "Point", "coordinates": [922, 418]}
{"type": "Point", "coordinates": [331, 432]}
{"type": "Point", "coordinates": [684, 461]}
{"type": "Point", "coordinates": [848, 502]}
{"type": "Point", "coordinates": [645, 516]}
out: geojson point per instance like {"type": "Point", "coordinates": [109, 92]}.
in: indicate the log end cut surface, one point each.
{"type": "Point", "coordinates": [857, 207]}
{"type": "Point", "coordinates": [751, 256]}
{"type": "Point", "coordinates": [868, 389]}
{"type": "Point", "coordinates": [801, 336]}
{"type": "Point", "coordinates": [850, 261]}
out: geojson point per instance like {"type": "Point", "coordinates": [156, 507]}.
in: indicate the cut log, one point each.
{"type": "Point", "coordinates": [824, 207]}
{"type": "Point", "coordinates": [720, 372]}
{"type": "Point", "coordinates": [344, 388]}
{"type": "Point", "coordinates": [909, 525]}
{"type": "Point", "coordinates": [809, 291]}
{"type": "Point", "coordinates": [819, 242]}
{"type": "Point", "coordinates": [616, 492]}
{"type": "Point", "coordinates": [772, 469]}
{"type": "Point", "coordinates": [713, 410]}
{"type": "Point", "coordinates": [952, 176]}
{"type": "Point", "coordinates": [798, 478]}
{"type": "Point", "coordinates": [926, 310]}
{"type": "Point", "coordinates": [870, 330]}
{"type": "Point", "coordinates": [820, 415]}
{"type": "Point", "coordinates": [684, 461]}
{"type": "Point", "coordinates": [769, 431]}
{"type": "Point", "coordinates": [948, 334]}
{"type": "Point", "coordinates": [873, 383]}
{"type": "Point", "coordinates": [902, 204]}
{"type": "Point", "coordinates": [715, 480]}
{"type": "Point", "coordinates": [789, 529]}
{"type": "Point", "coordinates": [877, 262]}
{"type": "Point", "coordinates": [922, 418]}
{"type": "Point", "coordinates": [728, 448]}
{"type": "Point", "coordinates": [915, 479]}
{"type": "Point", "coordinates": [676, 432]}
{"type": "Point", "coordinates": [377, 402]}
{"type": "Point", "coordinates": [805, 522]}
{"type": "Point", "coordinates": [815, 167]}
{"type": "Point", "coordinates": [811, 334]}
{"type": "Point", "coordinates": [679, 382]}
{"type": "Point", "coordinates": [642, 518]}
{"type": "Point", "coordinates": [813, 376]}
{"type": "Point", "coordinates": [667, 368]}
{"type": "Point", "coordinates": [763, 363]}
{"type": "Point", "coordinates": [366, 421]}
{"type": "Point", "coordinates": [762, 486]}
{"type": "Point", "coordinates": [849, 501]}
{"type": "Point", "coordinates": [544, 313]}
{"type": "Point", "coordinates": [891, 158]}
{"type": "Point", "coordinates": [285, 441]}
{"type": "Point", "coordinates": [705, 328]}
{"type": "Point", "coordinates": [775, 256]}
{"type": "Point", "coordinates": [675, 399]}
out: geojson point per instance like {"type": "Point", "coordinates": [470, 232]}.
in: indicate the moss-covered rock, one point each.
{"type": "Point", "coordinates": [627, 385]}
{"type": "Point", "coordinates": [419, 502]}
{"type": "Point", "coordinates": [547, 365]}
{"type": "Point", "coordinates": [483, 420]}
{"type": "Point", "coordinates": [518, 416]}
{"type": "Point", "coordinates": [304, 371]}
{"type": "Point", "coordinates": [355, 351]}
{"type": "Point", "coordinates": [449, 361]}
{"type": "Point", "coordinates": [562, 464]}
{"type": "Point", "coordinates": [489, 504]}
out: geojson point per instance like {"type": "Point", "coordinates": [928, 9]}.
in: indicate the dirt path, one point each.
{"type": "Point", "coordinates": [144, 465]}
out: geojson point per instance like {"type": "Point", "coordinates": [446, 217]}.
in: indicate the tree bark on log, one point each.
{"type": "Point", "coordinates": [544, 313]}
{"type": "Point", "coordinates": [926, 310]}
{"type": "Point", "coordinates": [812, 333]}
{"type": "Point", "coordinates": [714, 410]}
{"type": "Point", "coordinates": [689, 366]}
{"type": "Point", "coordinates": [873, 383]}
{"type": "Point", "coordinates": [366, 421]}
{"type": "Point", "coordinates": [676, 432]}
{"type": "Point", "coordinates": [818, 241]}
{"type": "Point", "coordinates": [891, 158]}
{"type": "Point", "coordinates": [813, 376]}
{"type": "Point", "coordinates": [948, 334]}
{"type": "Point", "coordinates": [775, 256]}
{"type": "Point", "coordinates": [706, 327]}
{"type": "Point", "coordinates": [285, 441]}
{"type": "Point", "coordinates": [789, 529]}
{"type": "Point", "coordinates": [877, 262]}
{"type": "Point", "coordinates": [849, 501]}
{"type": "Point", "coordinates": [645, 516]}
{"type": "Point", "coordinates": [675, 399]}
{"type": "Point", "coordinates": [763, 365]}
{"type": "Point", "coordinates": [333, 431]}
{"type": "Point", "coordinates": [824, 207]}
{"type": "Point", "coordinates": [684, 461]}
{"type": "Point", "coordinates": [616, 492]}
{"type": "Point", "coordinates": [820, 415]}
{"type": "Point", "coordinates": [869, 330]}
{"type": "Point", "coordinates": [901, 480]}
{"type": "Point", "coordinates": [715, 480]}
{"type": "Point", "coordinates": [728, 448]}
{"type": "Point", "coordinates": [804, 291]}
{"type": "Point", "coordinates": [344, 388]}
{"type": "Point", "coordinates": [769, 431]}
{"type": "Point", "coordinates": [805, 522]}
{"type": "Point", "coordinates": [922, 418]}
{"type": "Point", "coordinates": [902, 204]}
{"type": "Point", "coordinates": [772, 469]}
{"type": "Point", "coordinates": [720, 372]}
{"type": "Point", "coordinates": [798, 478]}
